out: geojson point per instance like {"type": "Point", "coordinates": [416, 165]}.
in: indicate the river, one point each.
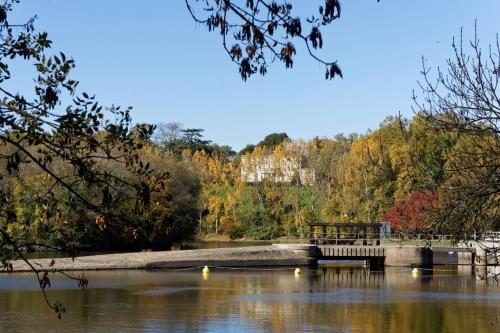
{"type": "Point", "coordinates": [327, 299]}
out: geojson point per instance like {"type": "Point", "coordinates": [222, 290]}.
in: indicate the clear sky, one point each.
{"type": "Point", "coordinates": [152, 56]}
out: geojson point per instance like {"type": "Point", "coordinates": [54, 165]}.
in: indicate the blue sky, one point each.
{"type": "Point", "coordinates": [152, 56]}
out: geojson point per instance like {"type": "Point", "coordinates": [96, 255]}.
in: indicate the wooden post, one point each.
{"type": "Point", "coordinates": [337, 234]}
{"type": "Point", "coordinates": [323, 228]}
{"type": "Point", "coordinates": [364, 235]}
{"type": "Point", "coordinates": [377, 234]}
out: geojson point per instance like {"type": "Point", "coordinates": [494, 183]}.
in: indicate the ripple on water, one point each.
{"type": "Point", "coordinates": [365, 296]}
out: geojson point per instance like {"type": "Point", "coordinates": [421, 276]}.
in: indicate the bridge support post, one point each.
{"type": "Point", "coordinates": [376, 263]}
{"type": "Point", "coordinates": [409, 256]}
{"type": "Point", "coordinates": [466, 258]}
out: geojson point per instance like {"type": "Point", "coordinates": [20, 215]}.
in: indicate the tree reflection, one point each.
{"type": "Point", "coordinates": [258, 300]}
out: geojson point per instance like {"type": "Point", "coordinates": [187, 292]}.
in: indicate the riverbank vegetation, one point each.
{"type": "Point", "coordinates": [401, 172]}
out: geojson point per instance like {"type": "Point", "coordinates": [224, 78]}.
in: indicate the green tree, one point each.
{"type": "Point", "coordinates": [272, 140]}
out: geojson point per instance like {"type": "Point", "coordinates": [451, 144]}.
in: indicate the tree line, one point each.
{"type": "Point", "coordinates": [402, 172]}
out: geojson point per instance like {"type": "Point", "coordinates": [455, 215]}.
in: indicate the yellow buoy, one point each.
{"type": "Point", "coordinates": [415, 272]}
{"type": "Point", "coordinates": [205, 270]}
{"type": "Point", "coordinates": [297, 271]}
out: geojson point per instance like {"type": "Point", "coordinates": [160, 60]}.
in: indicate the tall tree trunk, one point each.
{"type": "Point", "coordinates": [217, 224]}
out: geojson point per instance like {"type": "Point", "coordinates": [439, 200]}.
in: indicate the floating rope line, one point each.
{"type": "Point", "coordinates": [302, 269]}
{"type": "Point", "coordinates": [185, 269]}
{"type": "Point", "coordinates": [439, 270]}
{"type": "Point", "coordinates": [430, 269]}
{"type": "Point", "coordinates": [237, 268]}
{"type": "Point", "coordinates": [252, 269]}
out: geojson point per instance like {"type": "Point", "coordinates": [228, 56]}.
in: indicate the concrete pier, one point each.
{"type": "Point", "coordinates": [412, 256]}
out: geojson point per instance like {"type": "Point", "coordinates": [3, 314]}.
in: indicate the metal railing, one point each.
{"type": "Point", "coordinates": [345, 233]}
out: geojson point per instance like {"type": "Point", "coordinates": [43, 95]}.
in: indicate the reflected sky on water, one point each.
{"type": "Point", "coordinates": [448, 299]}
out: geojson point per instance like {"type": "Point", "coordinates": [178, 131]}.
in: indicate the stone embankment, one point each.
{"type": "Point", "coordinates": [274, 255]}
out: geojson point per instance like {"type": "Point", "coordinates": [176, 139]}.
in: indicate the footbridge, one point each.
{"type": "Point", "coordinates": [386, 255]}
{"type": "Point", "coordinates": [373, 255]}
{"type": "Point", "coordinates": [362, 241]}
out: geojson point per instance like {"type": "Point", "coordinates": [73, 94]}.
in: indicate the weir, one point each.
{"type": "Point", "coordinates": [373, 255]}
{"type": "Point", "coordinates": [362, 241]}
{"type": "Point", "coordinates": [292, 255]}
{"type": "Point", "coordinates": [376, 256]}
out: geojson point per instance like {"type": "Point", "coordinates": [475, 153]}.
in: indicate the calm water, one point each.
{"type": "Point", "coordinates": [323, 300]}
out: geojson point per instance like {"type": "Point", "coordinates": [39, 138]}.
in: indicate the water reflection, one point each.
{"type": "Point", "coordinates": [322, 300]}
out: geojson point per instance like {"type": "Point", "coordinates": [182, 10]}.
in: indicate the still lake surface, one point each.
{"type": "Point", "coordinates": [327, 299]}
